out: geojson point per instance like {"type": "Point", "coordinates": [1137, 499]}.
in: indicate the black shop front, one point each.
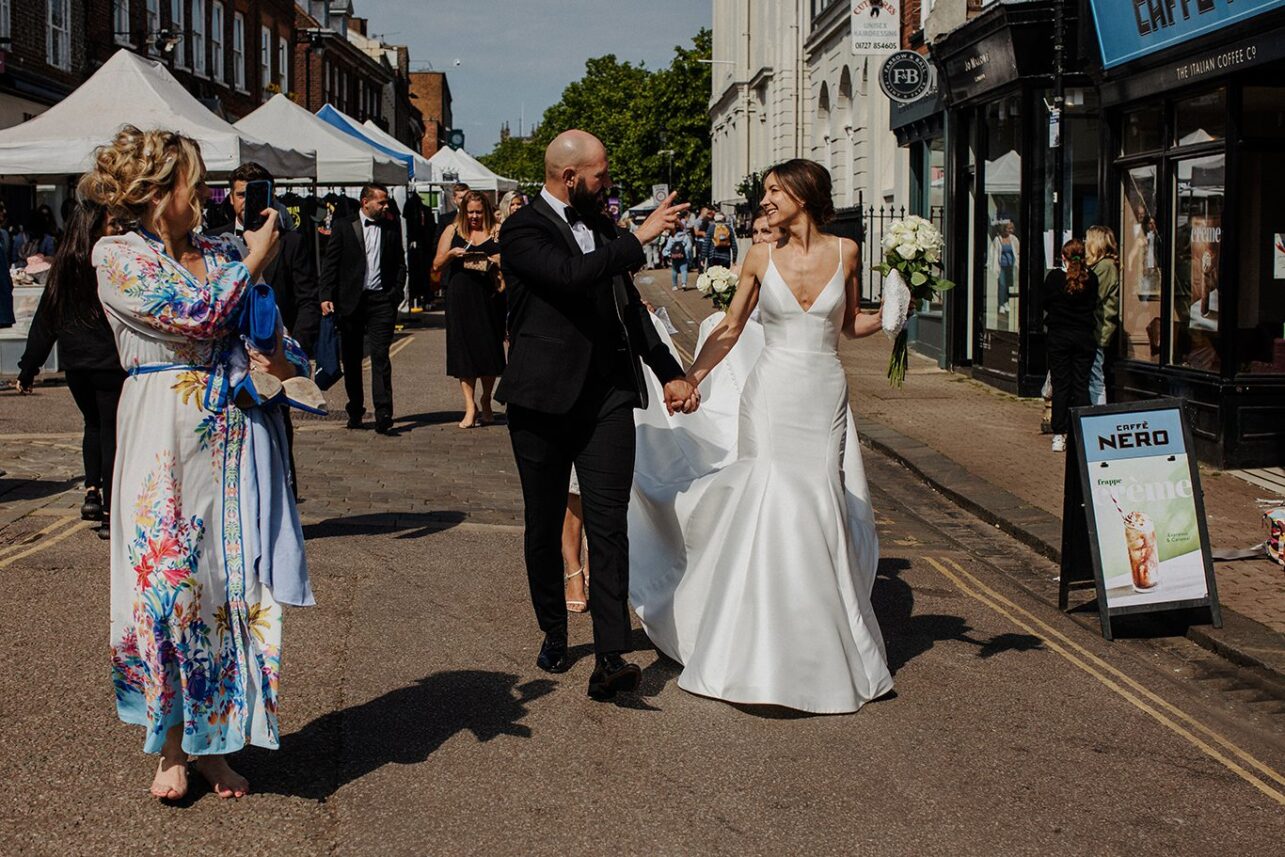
{"type": "Point", "coordinates": [997, 75]}
{"type": "Point", "coordinates": [1194, 110]}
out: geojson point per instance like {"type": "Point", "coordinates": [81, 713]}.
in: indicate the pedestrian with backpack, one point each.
{"type": "Point", "coordinates": [679, 252]}
{"type": "Point", "coordinates": [720, 243]}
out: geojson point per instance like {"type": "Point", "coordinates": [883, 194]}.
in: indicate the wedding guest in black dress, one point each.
{"type": "Point", "coordinates": [71, 315]}
{"type": "Point", "coordinates": [469, 256]}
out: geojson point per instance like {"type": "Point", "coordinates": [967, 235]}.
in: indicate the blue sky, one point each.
{"type": "Point", "coordinates": [516, 52]}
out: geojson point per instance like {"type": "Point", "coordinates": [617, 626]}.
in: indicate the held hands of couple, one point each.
{"type": "Point", "coordinates": [681, 396]}
{"type": "Point", "coordinates": [666, 216]}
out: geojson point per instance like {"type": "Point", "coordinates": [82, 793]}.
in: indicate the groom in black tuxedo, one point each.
{"type": "Point", "coordinates": [578, 329]}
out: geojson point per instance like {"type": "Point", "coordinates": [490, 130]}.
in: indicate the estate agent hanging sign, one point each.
{"type": "Point", "coordinates": [1142, 507]}
{"type": "Point", "coordinates": [1128, 29]}
{"type": "Point", "coordinates": [905, 76]}
{"type": "Point", "coordinates": [876, 26]}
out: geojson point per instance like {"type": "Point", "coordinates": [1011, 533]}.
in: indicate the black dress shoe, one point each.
{"type": "Point", "coordinates": [553, 656]}
{"type": "Point", "coordinates": [353, 423]}
{"type": "Point", "coordinates": [92, 508]}
{"type": "Point", "coordinates": [612, 675]}
{"type": "Point", "coordinates": [384, 427]}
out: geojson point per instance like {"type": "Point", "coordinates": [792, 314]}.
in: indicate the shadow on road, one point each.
{"type": "Point", "coordinates": [407, 525]}
{"type": "Point", "coordinates": [14, 489]}
{"type": "Point", "coordinates": [908, 636]}
{"type": "Point", "coordinates": [403, 727]}
{"type": "Point", "coordinates": [410, 422]}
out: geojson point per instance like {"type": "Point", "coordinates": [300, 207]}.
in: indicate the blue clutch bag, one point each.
{"type": "Point", "coordinates": [259, 318]}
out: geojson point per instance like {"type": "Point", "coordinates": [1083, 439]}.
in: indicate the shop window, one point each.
{"type": "Point", "coordinates": [1140, 257]}
{"type": "Point", "coordinates": [1001, 184]}
{"type": "Point", "coordinates": [1201, 119]}
{"type": "Point", "coordinates": [1261, 278]}
{"type": "Point", "coordinates": [1143, 130]}
{"type": "Point", "coordinates": [1198, 233]}
{"type": "Point", "coordinates": [1263, 113]}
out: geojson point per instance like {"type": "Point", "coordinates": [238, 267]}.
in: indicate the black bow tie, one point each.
{"type": "Point", "coordinates": [573, 215]}
{"type": "Point", "coordinates": [369, 223]}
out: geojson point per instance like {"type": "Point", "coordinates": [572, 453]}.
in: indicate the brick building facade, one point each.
{"type": "Point", "coordinates": [432, 95]}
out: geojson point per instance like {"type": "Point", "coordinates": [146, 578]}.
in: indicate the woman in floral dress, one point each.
{"type": "Point", "coordinates": [195, 633]}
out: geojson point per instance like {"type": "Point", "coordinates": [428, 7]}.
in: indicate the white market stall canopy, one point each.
{"type": "Point", "coordinates": [341, 159]}
{"type": "Point", "coordinates": [131, 90]}
{"type": "Point", "coordinates": [469, 170]}
{"type": "Point", "coordinates": [372, 135]}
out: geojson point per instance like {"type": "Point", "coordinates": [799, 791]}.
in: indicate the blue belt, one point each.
{"type": "Point", "coordinates": [216, 387]}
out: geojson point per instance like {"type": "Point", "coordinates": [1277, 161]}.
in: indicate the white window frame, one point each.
{"type": "Point", "coordinates": [120, 22]}
{"type": "Point", "coordinates": [265, 59]}
{"type": "Point", "coordinates": [218, 24]}
{"type": "Point", "coordinates": [178, 24]}
{"type": "Point", "coordinates": [238, 51]}
{"type": "Point", "coordinates": [283, 61]}
{"type": "Point", "coordinates": [58, 52]}
{"type": "Point", "coordinates": [198, 37]}
{"type": "Point", "coordinates": [153, 25]}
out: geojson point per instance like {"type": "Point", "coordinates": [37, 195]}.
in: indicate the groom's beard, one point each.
{"type": "Point", "coordinates": [585, 202]}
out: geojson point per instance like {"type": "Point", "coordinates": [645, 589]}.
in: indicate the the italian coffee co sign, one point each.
{"type": "Point", "coordinates": [905, 76]}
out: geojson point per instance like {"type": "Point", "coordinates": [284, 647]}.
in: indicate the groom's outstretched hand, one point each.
{"type": "Point", "coordinates": [665, 216]}
{"type": "Point", "coordinates": [681, 396]}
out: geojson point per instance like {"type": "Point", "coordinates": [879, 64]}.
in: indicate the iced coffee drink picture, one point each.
{"type": "Point", "coordinates": [1144, 557]}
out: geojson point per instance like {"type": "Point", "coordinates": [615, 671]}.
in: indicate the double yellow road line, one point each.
{"type": "Point", "coordinates": [1207, 740]}
{"type": "Point", "coordinates": [42, 539]}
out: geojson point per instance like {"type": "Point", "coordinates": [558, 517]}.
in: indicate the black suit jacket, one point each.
{"type": "Point", "coordinates": [343, 267]}
{"type": "Point", "coordinates": [555, 294]}
{"type": "Point", "coordinates": [293, 277]}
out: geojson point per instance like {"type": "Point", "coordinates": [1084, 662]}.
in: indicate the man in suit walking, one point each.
{"type": "Point", "coordinates": [578, 328]}
{"type": "Point", "coordinates": [363, 275]}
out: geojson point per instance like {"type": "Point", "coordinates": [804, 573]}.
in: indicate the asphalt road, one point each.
{"type": "Point", "coordinates": [414, 720]}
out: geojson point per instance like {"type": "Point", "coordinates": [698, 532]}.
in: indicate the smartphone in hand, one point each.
{"type": "Point", "coordinates": [258, 196]}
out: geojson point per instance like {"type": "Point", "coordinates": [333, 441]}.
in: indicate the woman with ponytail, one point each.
{"type": "Point", "coordinates": [1070, 300]}
{"type": "Point", "coordinates": [71, 315]}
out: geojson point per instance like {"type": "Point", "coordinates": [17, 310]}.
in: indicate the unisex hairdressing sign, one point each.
{"type": "Point", "coordinates": [1139, 490]}
{"type": "Point", "coordinates": [1129, 29]}
{"type": "Point", "coordinates": [876, 27]}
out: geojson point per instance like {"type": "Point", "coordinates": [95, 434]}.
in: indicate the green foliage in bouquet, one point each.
{"type": "Point", "coordinates": [913, 248]}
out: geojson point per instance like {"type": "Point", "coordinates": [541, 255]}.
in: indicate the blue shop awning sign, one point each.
{"type": "Point", "coordinates": [1129, 29]}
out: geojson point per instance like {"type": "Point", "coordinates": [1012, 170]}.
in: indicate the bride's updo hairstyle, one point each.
{"type": "Point", "coordinates": [141, 169]}
{"type": "Point", "coordinates": [808, 184]}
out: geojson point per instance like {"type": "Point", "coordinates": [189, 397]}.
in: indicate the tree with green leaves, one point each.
{"type": "Point", "coordinates": [638, 114]}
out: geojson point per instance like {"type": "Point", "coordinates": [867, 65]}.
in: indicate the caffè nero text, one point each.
{"type": "Point", "coordinates": [1133, 436]}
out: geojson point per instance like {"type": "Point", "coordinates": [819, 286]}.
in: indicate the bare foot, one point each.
{"type": "Point", "coordinates": [170, 782]}
{"type": "Point", "coordinates": [226, 782]}
{"type": "Point", "coordinates": [469, 421]}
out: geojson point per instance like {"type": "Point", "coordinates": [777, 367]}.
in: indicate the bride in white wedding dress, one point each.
{"type": "Point", "coordinates": [753, 544]}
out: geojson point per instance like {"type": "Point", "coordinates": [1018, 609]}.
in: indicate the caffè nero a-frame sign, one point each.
{"type": "Point", "coordinates": [1134, 513]}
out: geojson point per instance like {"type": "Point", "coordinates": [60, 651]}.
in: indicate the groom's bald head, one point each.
{"type": "Point", "coordinates": [575, 170]}
{"type": "Point", "coordinates": [574, 150]}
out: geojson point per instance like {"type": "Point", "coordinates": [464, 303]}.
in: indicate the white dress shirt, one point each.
{"type": "Point", "coordinates": [374, 236]}
{"type": "Point", "coordinates": [580, 229]}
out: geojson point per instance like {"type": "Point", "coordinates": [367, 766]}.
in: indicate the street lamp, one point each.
{"type": "Point", "coordinates": [166, 40]}
{"type": "Point", "coordinates": [317, 47]}
{"type": "Point", "coordinates": [669, 156]}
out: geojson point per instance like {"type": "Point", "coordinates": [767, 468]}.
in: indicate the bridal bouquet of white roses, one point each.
{"type": "Point", "coordinates": [719, 285]}
{"type": "Point", "coordinates": [911, 265]}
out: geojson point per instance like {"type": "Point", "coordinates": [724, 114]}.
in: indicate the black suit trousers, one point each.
{"type": "Point", "coordinates": [373, 320]}
{"type": "Point", "coordinates": [597, 435]}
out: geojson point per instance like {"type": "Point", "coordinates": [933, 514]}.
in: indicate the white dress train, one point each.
{"type": "Point", "coordinates": [752, 538]}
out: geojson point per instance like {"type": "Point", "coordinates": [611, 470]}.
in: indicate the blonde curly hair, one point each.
{"type": "Point", "coordinates": [135, 175]}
